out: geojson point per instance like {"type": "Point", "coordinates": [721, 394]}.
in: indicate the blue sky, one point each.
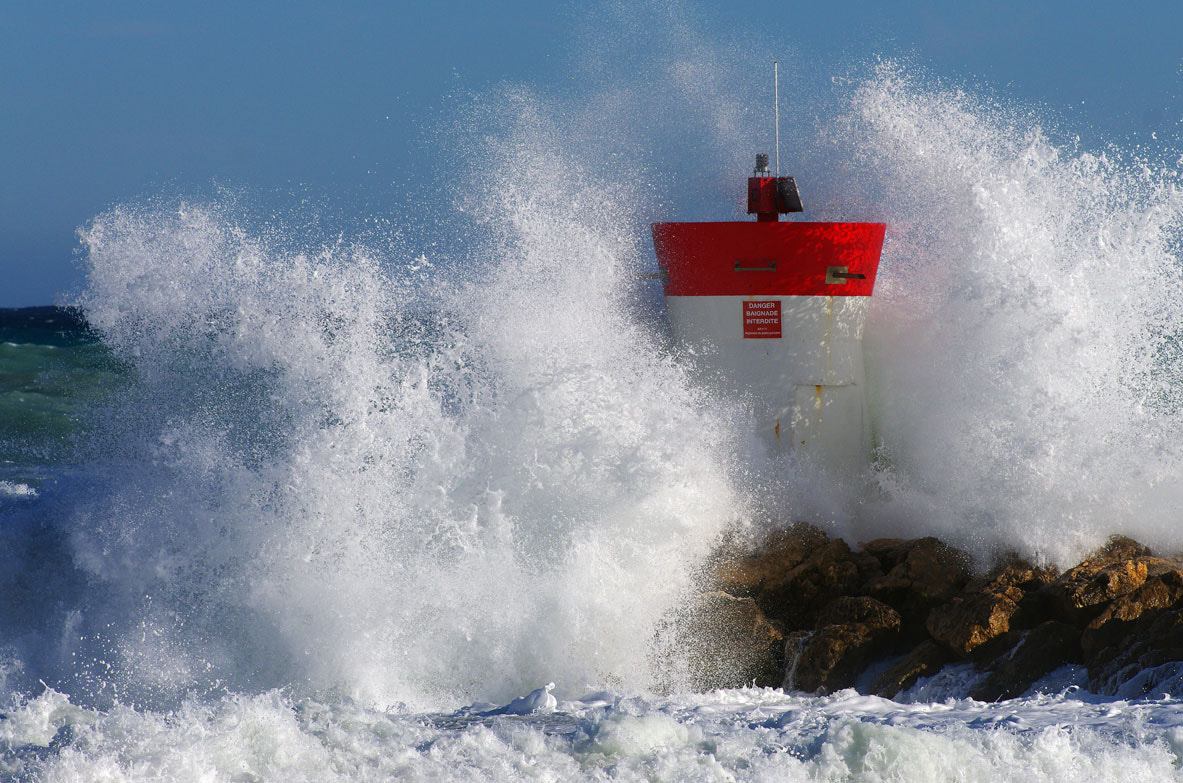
{"type": "Point", "coordinates": [106, 103]}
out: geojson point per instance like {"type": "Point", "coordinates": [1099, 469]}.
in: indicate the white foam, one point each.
{"type": "Point", "coordinates": [745, 735]}
{"type": "Point", "coordinates": [16, 489]}
{"type": "Point", "coordinates": [431, 478]}
{"type": "Point", "coordinates": [537, 700]}
{"type": "Point", "coordinates": [1023, 338]}
{"type": "Point", "coordinates": [329, 479]}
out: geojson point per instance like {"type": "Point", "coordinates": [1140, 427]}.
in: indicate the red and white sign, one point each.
{"type": "Point", "coordinates": [761, 319]}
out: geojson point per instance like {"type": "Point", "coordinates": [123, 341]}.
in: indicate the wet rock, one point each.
{"type": "Point", "coordinates": [1034, 606]}
{"type": "Point", "coordinates": [795, 642]}
{"type": "Point", "coordinates": [890, 552]}
{"type": "Point", "coordinates": [1117, 619]}
{"type": "Point", "coordinates": [1108, 573]}
{"type": "Point", "coordinates": [1155, 639]}
{"type": "Point", "coordinates": [1116, 549]}
{"type": "Point", "coordinates": [1088, 586]}
{"type": "Point", "coordinates": [1039, 651]}
{"type": "Point", "coordinates": [1013, 571]}
{"type": "Point", "coordinates": [850, 610]}
{"type": "Point", "coordinates": [969, 621]}
{"type": "Point", "coordinates": [929, 569]}
{"type": "Point", "coordinates": [850, 632]}
{"type": "Point", "coordinates": [730, 643]}
{"type": "Point", "coordinates": [831, 657]}
{"type": "Point", "coordinates": [778, 554]}
{"type": "Point", "coordinates": [824, 613]}
{"type": "Point", "coordinates": [831, 571]}
{"type": "Point", "coordinates": [925, 660]}
{"type": "Point", "coordinates": [926, 573]}
{"type": "Point", "coordinates": [1082, 593]}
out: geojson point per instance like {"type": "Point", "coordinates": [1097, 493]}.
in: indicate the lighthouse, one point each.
{"type": "Point", "coordinates": [773, 312]}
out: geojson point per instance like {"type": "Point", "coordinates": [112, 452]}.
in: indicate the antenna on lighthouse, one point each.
{"type": "Point", "coordinates": [776, 111]}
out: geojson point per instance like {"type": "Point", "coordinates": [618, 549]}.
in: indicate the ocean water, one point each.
{"type": "Point", "coordinates": [275, 508]}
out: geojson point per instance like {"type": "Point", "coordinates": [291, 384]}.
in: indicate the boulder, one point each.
{"type": "Point", "coordinates": [1089, 587]}
{"type": "Point", "coordinates": [850, 610]}
{"type": "Point", "coordinates": [1082, 593]}
{"type": "Point", "coordinates": [925, 660]}
{"type": "Point", "coordinates": [890, 552]}
{"type": "Point", "coordinates": [926, 573]}
{"type": "Point", "coordinates": [777, 555]}
{"type": "Point", "coordinates": [1039, 651]}
{"type": "Point", "coordinates": [729, 643]}
{"type": "Point", "coordinates": [1117, 619]}
{"type": "Point", "coordinates": [832, 571]}
{"type": "Point", "coordinates": [813, 615]}
{"type": "Point", "coordinates": [969, 621]}
{"type": "Point", "coordinates": [1155, 639]}
{"type": "Point", "coordinates": [850, 632]}
{"type": "Point", "coordinates": [1013, 571]}
{"type": "Point", "coordinates": [1108, 573]}
{"type": "Point", "coordinates": [831, 657]}
{"type": "Point", "coordinates": [1116, 549]}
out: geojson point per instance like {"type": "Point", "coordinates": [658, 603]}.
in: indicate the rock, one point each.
{"type": "Point", "coordinates": [1034, 606]}
{"type": "Point", "coordinates": [969, 621]}
{"type": "Point", "coordinates": [730, 643]}
{"type": "Point", "coordinates": [1013, 571]}
{"type": "Point", "coordinates": [1085, 586]}
{"type": "Point", "coordinates": [926, 573]}
{"type": "Point", "coordinates": [925, 660]}
{"type": "Point", "coordinates": [1118, 618]}
{"type": "Point", "coordinates": [929, 569]}
{"type": "Point", "coordinates": [864, 610]}
{"type": "Point", "coordinates": [851, 631]}
{"type": "Point", "coordinates": [831, 657]}
{"type": "Point", "coordinates": [1155, 639]}
{"type": "Point", "coordinates": [780, 553]}
{"type": "Point", "coordinates": [890, 552]}
{"type": "Point", "coordinates": [796, 597]}
{"type": "Point", "coordinates": [1151, 640]}
{"type": "Point", "coordinates": [1118, 567]}
{"type": "Point", "coordinates": [795, 642]}
{"type": "Point", "coordinates": [1117, 548]}
{"type": "Point", "coordinates": [1083, 592]}
{"type": "Point", "coordinates": [829, 612]}
{"type": "Point", "coordinates": [1037, 607]}
{"type": "Point", "coordinates": [1039, 652]}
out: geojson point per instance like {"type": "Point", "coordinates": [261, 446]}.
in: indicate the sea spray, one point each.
{"type": "Point", "coordinates": [326, 478]}
{"type": "Point", "coordinates": [435, 478]}
{"type": "Point", "coordinates": [1023, 339]}
{"type": "Point", "coordinates": [403, 477]}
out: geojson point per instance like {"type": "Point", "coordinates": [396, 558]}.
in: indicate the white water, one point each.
{"type": "Point", "coordinates": [412, 493]}
{"type": "Point", "coordinates": [748, 735]}
{"type": "Point", "coordinates": [351, 484]}
{"type": "Point", "coordinates": [1024, 338]}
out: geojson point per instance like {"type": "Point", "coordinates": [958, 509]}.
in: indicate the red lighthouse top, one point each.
{"type": "Point", "coordinates": [767, 257]}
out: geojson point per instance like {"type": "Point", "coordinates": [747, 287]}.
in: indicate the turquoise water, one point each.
{"type": "Point", "coordinates": [53, 370]}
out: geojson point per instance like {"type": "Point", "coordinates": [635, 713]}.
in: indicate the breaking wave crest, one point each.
{"type": "Point", "coordinates": [407, 481]}
{"type": "Point", "coordinates": [435, 478]}
{"type": "Point", "coordinates": [1024, 341]}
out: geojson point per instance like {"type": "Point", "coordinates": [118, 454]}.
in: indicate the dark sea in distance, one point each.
{"type": "Point", "coordinates": [52, 370]}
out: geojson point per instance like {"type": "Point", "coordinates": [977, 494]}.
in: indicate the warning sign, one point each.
{"type": "Point", "coordinates": [761, 319]}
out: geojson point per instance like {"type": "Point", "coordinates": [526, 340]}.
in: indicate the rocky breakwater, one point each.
{"type": "Point", "coordinates": [810, 613]}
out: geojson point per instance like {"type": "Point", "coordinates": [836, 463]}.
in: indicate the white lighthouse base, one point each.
{"type": "Point", "coordinates": [807, 387]}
